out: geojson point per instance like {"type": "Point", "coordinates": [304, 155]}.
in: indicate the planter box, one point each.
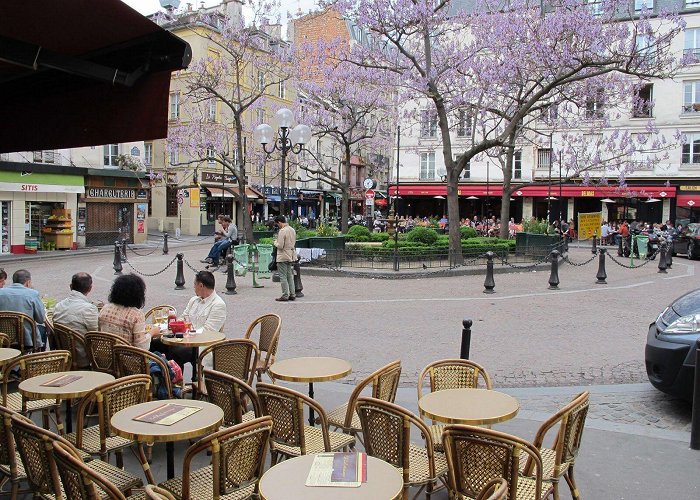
{"type": "Point", "coordinates": [534, 244]}
{"type": "Point", "coordinates": [262, 234]}
{"type": "Point", "coordinates": [327, 242]}
{"type": "Point", "coordinates": [303, 243]}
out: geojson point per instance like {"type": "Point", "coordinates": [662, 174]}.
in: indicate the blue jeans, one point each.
{"type": "Point", "coordinates": [217, 248]}
{"type": "Point", "coordinates": [286, 271]}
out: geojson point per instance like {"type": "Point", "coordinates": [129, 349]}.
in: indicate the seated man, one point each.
{"type": "Point", "coordinates": [78, 313]}
{"type": "Point", "coordinates": [205, 310]}
{"type": "Point", "coordinates": [20, 297]}
{"type": "Point", "coordinates": [230, 234]}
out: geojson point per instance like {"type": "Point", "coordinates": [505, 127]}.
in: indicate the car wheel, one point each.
{"type": "Point", "coordinates": [690, 251]}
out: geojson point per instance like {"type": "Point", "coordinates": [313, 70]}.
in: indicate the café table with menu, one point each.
{"type": "Point", "coordinates": [340, 476]}
{"type": "Point", "coordinates": [167, 420]}
{"type": "Point", "coordinates": [7, 354]}
{"type": "Point", "coordinates": [468, 406]}
{"type": "Point", "coordinates": [63, 385]}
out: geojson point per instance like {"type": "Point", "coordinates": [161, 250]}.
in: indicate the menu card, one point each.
{"type": "Point", "coordinates": [62, 380]}
{"type": "Point", "coordinates": [344, 470]}
{"type": "Point", "coordinates": [167, 414]}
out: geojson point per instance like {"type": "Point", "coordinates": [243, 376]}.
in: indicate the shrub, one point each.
{"type": "Point", "coordinates": [265, 241]}
{"type": "Point", "coordinates": [259, 226]}
{"type": "Point", "coordinates": [537, 226]}
{"type": "Point", "coordinates": [326, 230]}
{"type": "Point", "coordinates": [378, 236]}
{"type": "Point", "coordinates": [467, 232]}
{"type": "Point", "coordinates": [422, 235]}
{"type": "Point", "coordinates": [358, 233]}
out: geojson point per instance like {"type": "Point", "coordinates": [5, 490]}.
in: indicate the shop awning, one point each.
{"type": "Point", "coordinates": [83, 73]}
{"type": "Point", "coordinates": [334, 197]}
{"type": "Point", "coordinates": [233, 192]}
{"type": "Point", "coordinates": [688, 200]}
{"type": "Point", "coordinates": [218, 192]}
{"type": "Point", "coordinates": [28, 182]}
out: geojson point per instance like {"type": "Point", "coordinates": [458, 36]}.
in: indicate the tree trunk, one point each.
{"type": "Point", "coordinates": [345, 189]}
{"type": "Point", "coordinates": [453, 217]}
{"type": "Point", "coordinates": [239, 172]}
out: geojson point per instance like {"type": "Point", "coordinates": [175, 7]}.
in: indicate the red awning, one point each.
{"type": "Point", "coordinates": [538, 191]}
{"type": "Point", "coordinates": [83, 73]}
{"type": "Point", "coordinates": [688, 200]}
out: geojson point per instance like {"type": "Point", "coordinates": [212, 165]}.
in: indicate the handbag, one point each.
{"type": "Point", "coordinates": [272, 266]}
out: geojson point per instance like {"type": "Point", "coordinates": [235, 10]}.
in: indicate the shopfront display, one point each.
{"type": "Point", "coordinates": [5, 226]}
{"type": "Point", "coordinates": [58, 231]}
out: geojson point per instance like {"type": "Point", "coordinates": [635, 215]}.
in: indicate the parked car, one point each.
{"type": "Point", "coordinates": [670, 349]}
{"type": "Point", "coordinates": [688, 241]}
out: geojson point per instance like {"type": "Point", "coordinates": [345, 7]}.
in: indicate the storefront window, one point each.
{"type": "Point", "coordinates": [5, 226]}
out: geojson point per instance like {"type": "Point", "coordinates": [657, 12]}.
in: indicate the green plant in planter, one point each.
{"type": "Point", "coordinates": [326, 230]}
{"type": "Point", "coordinates": [537, 226]}
{"type": "Point", "coordinates": [422, 235]}
{"type": "Point", "coordinates": [260, 227]}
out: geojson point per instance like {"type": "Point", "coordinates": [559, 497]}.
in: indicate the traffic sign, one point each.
{"type": "Point", "coordinates": [369, 194]}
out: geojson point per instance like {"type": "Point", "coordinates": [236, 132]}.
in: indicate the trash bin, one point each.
{"type": "Point", "coordinates": [240, 264]}
{"type": "Point", "coordinates": [642, 245]}
{"type": "Point", "coordinates": [264, 259]}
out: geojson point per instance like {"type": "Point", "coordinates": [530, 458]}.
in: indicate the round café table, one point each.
{"type": "Point", "coordinates": [35, 388]}
{"type": "Point", "coordinates": [7, 354]}
{"type": "Point", "coordinates": [310, 369]}
{"type": "Point", "coordinates": [468, 406]}
{"type": "Point", "coordinates": [204, 339]}
{"type": "Point", "coordinates": [205, 421]}
{"type": "Point", "coordinates": [287, 480]}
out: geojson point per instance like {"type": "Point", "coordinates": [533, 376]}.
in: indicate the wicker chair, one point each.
{"type": "Point", "coordinates": [130, 360]}
{"type": "Point", "coordinates": [232, 394]}
{"type": "Point", "coordinates": [157, 493]}
{"type": "Point", "coordinates": [4, 340]}
{"type": "Point", "coordinates": [384, 382]}
{"type": "Point", "coordinates": [12, 325]}
{"type": "Point", "coordinates": [109, 399]}
{"type": "Point", "coordinates": [268, 339]}
{"type": "Point", "coordinates": [11, 468]}
{"type": "Point", "coordinates": [237, 462]}
{"type": "Point", "coordinates": [559, 460]}
{"type": "Point", "coordinates": [476, 456]}
{"type": "Point", "coordinates": [157, 313]}
{"type": "Point", "coordinates": [290, 436]}
{"type": "Point", "coordinates": [452, 374]}
{"type": "Point", "coordinates": [235, 357]}
{"type": "Point", "coordinates": [387, 431]}
{"type": "Point", "coordinates": [35, 447]}
{"type": "Point", "coordinates": [100, 350]}
{"type": "Point", "coordinates": [71, 341]}
{"type": "Point", "coordinates": [32, 365]}
{"type": "Point", "coordinates": [496, 489]}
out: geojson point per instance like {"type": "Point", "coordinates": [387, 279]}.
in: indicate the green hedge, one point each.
{"type": "Point", "coordinates": [422, 235]}
{"type": "Point", "coordinates": [358, 233]}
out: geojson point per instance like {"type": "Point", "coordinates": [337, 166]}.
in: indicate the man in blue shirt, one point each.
{"type": "Point", "coordinates": [20, 297]}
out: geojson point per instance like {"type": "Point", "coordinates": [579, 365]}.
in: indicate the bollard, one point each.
{"type": "Point", "coordinates": [669, 256]}
{"type": "Point", "coordinates": [298, 287]}
{"type": "Point", "coordinates": [594, 250]}
{"type": "Point", "coordinates": [180, 276]}
{"type": "Point", "coordinates": [231, 276]}
{"type": "Point", "coordinates": [117, 265]}
{"type": "Point", "coordinates": [466, 338]}
{"type": "Point", "coordinates": [554, 275]}
{"type": "Point", "coordinates": [123, 250]}
{"type": "Point", "coordinates": [602, 275]}
{"type": "Point", "coordinates": [695, 421]}
{"type": "Point", "coordinates": [165, 243]}
{"type": "Point", "coordinates": [254, 257]}
{"type": "Point", "coordinates": [489, 283]}
{"type": "Point", "coordinates": [662, 260]}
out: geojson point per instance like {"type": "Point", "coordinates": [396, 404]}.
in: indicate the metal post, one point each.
{"type": "Point", "coordinates": [117, 264]}
{"type": "Point", "coordinates": [695, 422]}
{"type": "Point", "coordinates": [594, 250]}
{"type": "Point", "coordinates": [554, 275]}
{"type": "Point", "coordinates": [180, 276]}
{"type": "Point", "coordinates": [165, 243]}
{"type": "Point", "coordinates": [254, 256]}
{"type": "Point", "coordinates": [298, 286]}
{"type": "Point", "coordinates": [669, 256]}
{"type": "Point", "coordinates": [466, 338]}
{"type": "Point", "coordinates": [662, 260]}
{"type": "Point", "coordinates": [230, 278]}
{"type": "Point", "coordinates": [602, 275]}
{"type": "Point", "coordinates": [489, 283]}
{"type": "Point", "coordinates": [123, 250]}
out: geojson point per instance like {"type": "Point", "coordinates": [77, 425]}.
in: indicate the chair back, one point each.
{"type": "Point", "coordinates": [8, 458]}
{"type": "Point", "coordinates": [111, 398]}
{"type": "Point", "coordinates": [69, 340]}
{"type": "Point", "coordinates": [231, 394]}
{"type": "Point", "coordinates": [159, 314]}
{"type": "Point", "coordinates": [238, 457]}
{"type": "Point", "coordinates": [475, 456]}
{"type": "Point", "coordinates": [12, 324]}
{"type": "Point", "coordinates": [454, 374]}
{"type": "Point", "coordinates": [496, 489]}
{"type": "Point", "coordinates": [78, 479]}
{"type": "Point", "coordinates": [4, 340]}
{"type": "Point", "coordinates": [33, 365]}
{"type": "Point", "coordinates": [130, 360]}
{"type": "Point", "coordinates": [286, 407]}
{"type": "Point", "coordinates": [268, 328]}
{"type": "Point", "coordinates": [99, 347]}
{"type": "Point", "coordinates": [235, 357]}
{"type": "Point", "coordinates": [384, 382]}
{"type": "Point", "coordinates": [157, 493]}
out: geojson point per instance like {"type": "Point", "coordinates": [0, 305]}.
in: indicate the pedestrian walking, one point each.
{"type": "Point", "coordinates": [286, 256]}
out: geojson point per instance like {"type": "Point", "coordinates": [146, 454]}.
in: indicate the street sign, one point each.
{"type": "Point", "coordinates": [589, 225]}
{"type": "Point", "coordinates": [369, 194]}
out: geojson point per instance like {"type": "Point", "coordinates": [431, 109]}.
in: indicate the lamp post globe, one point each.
{"type": "Point", "coordinates": [284, 118]}
{"type": "Point", "coordinates": [263, 134]}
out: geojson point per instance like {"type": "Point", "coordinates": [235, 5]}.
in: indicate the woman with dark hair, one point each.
{"type": "Point", "coordinates": [123, 315]}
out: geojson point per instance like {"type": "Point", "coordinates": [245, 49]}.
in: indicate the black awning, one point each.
{"type": "Point", "coordinates": [83, 72]}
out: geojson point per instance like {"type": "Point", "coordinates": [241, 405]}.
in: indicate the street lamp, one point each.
{"type": "Point", "coordinates": [288, 139]}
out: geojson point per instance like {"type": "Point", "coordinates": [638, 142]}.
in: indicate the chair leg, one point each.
{"type": "Point", "coordinates": [141, 455]}
{"type": "Point", "coordinates": [120, 458]}
{"type": "Point", "coordinates": [45, 419]}
{"type": "Point", "coordinates": [15, 490]}
{"type": "Point", "coordinates": [569, 476]}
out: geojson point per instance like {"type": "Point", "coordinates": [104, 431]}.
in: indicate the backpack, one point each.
{"type": "Point", "coordinates": [160, 389]}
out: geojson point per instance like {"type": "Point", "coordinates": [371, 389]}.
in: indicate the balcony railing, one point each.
{"type": "Point", "coordinates": [691, 108]}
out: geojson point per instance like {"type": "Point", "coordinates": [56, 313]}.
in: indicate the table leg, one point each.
{"type": "Point", "coordinates": [311, 410]}
{"type": "Point", "coordinates": [69, 416]}
{"type": "Point", "coordinates": [170, 452]}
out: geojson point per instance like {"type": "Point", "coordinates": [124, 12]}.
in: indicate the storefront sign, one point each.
{"type": "Point", "coordinates": [589, 192]}
{"type": "Point", "coordinates": [142, 194]}
{"type": "Point", "coordinates": [141, 211]}
{"type": "Point", "coordinates": [219, 178]}
{"type": "Point", "coordinates": [40, 188]}
{"type": "Point", "coordinates": [114, 193]}
{"type": "Point", "coordinates": [589, 225]}
{"type": "Point", "coordinates": [194, 197]}
{"type": "Point", "coordinates": [689, 188]}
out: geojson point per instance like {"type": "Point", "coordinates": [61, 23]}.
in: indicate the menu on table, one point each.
{"type": "Point", "coordinates": [343, 470]}
{"type": "Point", "coordinates": [167, 414]}
{"type": "Point", "coordinates": [61, 380]}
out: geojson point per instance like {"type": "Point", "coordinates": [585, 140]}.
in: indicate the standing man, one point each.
{"type": "Point", "coordinates": [78, 313]}
{"type": "Point", "coordinates": [20, 297]}
{"type": "Point", "coordinates": [286, 256]}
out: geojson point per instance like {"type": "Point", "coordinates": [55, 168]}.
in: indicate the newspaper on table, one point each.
{"type": "Point", "coordinates": [343, 470]}
{"type": "Point", "coordinates": [167, 414]}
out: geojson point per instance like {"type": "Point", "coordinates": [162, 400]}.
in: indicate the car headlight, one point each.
{"type": "Point", "coordinates": [685, 324]}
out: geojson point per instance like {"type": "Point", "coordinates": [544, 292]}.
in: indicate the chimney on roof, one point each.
{"type": "Point", "coordinates": [189, 7]}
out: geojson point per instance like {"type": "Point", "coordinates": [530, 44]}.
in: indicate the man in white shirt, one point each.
{"type": "Point", "coordinates": [77, 312]}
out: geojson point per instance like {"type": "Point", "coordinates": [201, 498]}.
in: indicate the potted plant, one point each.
{"type": "Point", "coordinates": [327, 238]}
{"type": "Point", "coordinates": [261, 231]}
{"type": "Point", "coordinates": [537, 235]}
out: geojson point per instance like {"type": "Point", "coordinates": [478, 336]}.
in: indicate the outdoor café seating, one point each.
{"type": "Point", "coordinates": [131, 360]}
{"type": "Point", "coordinates": [235, 357]}
{"type": "Point", "coordinates": [232, 395]}
{"type": "Point", "coordinates": [71, 341]}
{"type": "Point", "coordinates": [267, 328]}
{"type": "Point", "coordinates": [496, 489]}
{"type": "Point", "coordinates": [12, 324]}
{"type": "Point", "coordinates": [100, 351]}
{"type": "Point", "coordinates": [4, 340]}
